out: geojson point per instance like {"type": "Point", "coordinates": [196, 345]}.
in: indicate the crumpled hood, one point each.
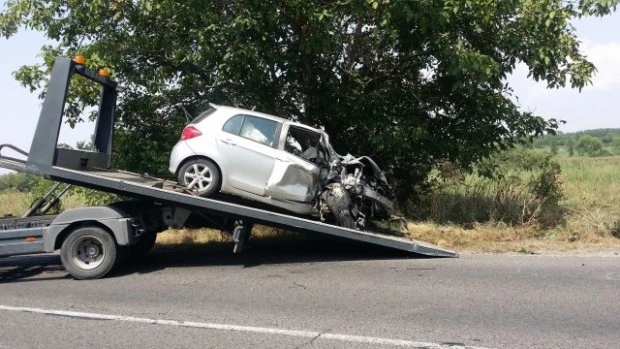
{"type": "Point", "coordinates": [366, 161]}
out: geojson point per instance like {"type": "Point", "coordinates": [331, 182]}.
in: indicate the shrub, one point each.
{"type": "Point", "coordinates": [89, 197]}
{"type": "Point", "coordinates": [589, 146]}
{"type": "Point", "coordinates": [520, 186]}
{"type": "Point", "coordinates": [16, 181]}
{"type": "Point", "coordinates": [615, 145]}
{"type": "Point", "coordinates": [615, 229]}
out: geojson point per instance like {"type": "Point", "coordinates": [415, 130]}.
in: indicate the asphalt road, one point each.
{"type": "Point", "coordinates": [305, 294]}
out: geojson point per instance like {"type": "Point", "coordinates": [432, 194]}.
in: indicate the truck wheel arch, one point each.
{"type": "Point", "coordinates": [110, 218]}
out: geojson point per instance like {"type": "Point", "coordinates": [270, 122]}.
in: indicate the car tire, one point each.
{"type": "Point", "coordinates": [201, 176]}
{"type": "Point", "coordinates": [339, 203]}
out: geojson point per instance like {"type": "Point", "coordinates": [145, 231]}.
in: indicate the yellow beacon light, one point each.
{"type": "Point", "coordinates": [104, 72]}
{"type": "Point", "coordinates": [79, 60]}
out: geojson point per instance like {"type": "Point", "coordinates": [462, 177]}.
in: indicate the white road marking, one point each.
{"type": "Point", "coordinates": [239, 328]}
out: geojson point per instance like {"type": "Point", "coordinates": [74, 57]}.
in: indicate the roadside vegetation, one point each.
{"type": "Point", "coordinates": [523, 200]}
{"type": "Point", "coordinates": [592, 143]}
{"type": "Point", "coordinates": [574, 209]}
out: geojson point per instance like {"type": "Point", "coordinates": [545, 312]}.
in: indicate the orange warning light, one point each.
{"type": "Point", "coordinates": [79, 60]}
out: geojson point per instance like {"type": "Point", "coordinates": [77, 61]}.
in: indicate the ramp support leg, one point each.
{"type": "Point", "coordinates": [241, 234]}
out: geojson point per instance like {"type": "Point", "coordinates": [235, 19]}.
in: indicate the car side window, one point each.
{"type": "Point", "coordinates": [233, 125]}
{"type": "Point", "coordinates": [302, 142]}
{"type": "Point", "coordinates": [259, 130]}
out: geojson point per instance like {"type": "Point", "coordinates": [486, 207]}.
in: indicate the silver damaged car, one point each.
{"type": "Point", "coordinates": [281, 163]}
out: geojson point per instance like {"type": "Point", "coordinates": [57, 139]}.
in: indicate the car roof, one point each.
{"type": "Point", "coordinates": [234, 110]}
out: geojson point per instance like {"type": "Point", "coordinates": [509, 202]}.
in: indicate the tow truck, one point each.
{"type": "Point", "coordinates": [91, 239]}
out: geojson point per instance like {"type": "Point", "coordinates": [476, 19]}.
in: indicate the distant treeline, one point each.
{"type": "Point", "coordinates": [605, 135]}
{"type": "Point", "coordinates": [597, 142]}
{"type": "Point", "coordinates": [17, 181]}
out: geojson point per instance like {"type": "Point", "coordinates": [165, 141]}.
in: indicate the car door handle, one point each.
{"type": "Point", "coordinates": [228, 141]}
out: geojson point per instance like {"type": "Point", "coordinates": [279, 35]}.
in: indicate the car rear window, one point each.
{"type": "Point", "coordinates": [233, 125]}
{"type": "Point", "coordinates": [203, 115]}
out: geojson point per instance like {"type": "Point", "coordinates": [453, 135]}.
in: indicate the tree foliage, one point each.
{"type": "Point", "coordinates": [615, 145]}
{"type": "Point", "coordinates": [589, 146]}
{"type": "Point", "coordinates": [606, 136]}
{"type": "Point", "coordinates": [411, 83]}
{"type": "Point", "coordinates": [554, 146]}
{"type": "Point", "coordinates": [570, 145]}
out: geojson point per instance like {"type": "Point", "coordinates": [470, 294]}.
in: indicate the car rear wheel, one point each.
{"type": "Point", "coordinates": [201, 176]}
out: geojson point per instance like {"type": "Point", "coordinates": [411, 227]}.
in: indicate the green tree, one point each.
{"type": "Point", "coordinates": [570, 144]}
{"type": "Point", "coordinates": [553, 146]}
{"type": "Point", "coordinates": [607, 139]}
{"type": "Point", "coordinates": [589, 146]}
{"type": "Point", "coordinates": [615, 145]}
{"type": "Point", "coordinates": [412, 83]}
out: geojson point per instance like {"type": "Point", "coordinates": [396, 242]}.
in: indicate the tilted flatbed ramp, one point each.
{"type": "Point", "coordinates": [90, 169]}
{"type": "Point", "coordinates": [135, 185]}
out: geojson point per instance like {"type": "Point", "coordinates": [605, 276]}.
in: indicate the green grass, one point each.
{"type": "Point", "coordinates": [592, 187]}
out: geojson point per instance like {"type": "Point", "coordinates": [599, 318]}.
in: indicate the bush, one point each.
{"type": "Point", "coordinates": [16, 181]}
{"type": "Point", "coordinates": [615, 145]}
{"type": "Point", "coordinates": [615, 230]}
{"type": "Point", "coordinates": [603, 152]}
{"type": "Point", "coordinates": [520, 186]}
{"type": "Point", "coordinates": [589, 146]}
{"type": "Point", "coordinates": [89, 197]}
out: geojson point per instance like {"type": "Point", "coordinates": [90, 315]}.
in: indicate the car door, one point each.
{"type": "Point", "coordinates": [248, 144]}
{"type": "Point", "coordinates": [294, 177]}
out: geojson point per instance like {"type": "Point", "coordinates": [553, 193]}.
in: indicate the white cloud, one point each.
{"type": "Point", "coordinates": [606, 58]}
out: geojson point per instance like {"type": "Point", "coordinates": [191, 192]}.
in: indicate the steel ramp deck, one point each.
{"type": "Point", "coordinates": [163, 191]}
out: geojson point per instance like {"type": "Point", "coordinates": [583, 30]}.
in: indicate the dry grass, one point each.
{"type": "Point", "coordinates": [13, 203]}
{"type": "Point", "coordinates": [500, 238]}
{"type": "Point", "coordinates": [592, 187]}
{"type": "Point", "coordinates": [196, 237]}
{"type": "Point", "coordinates": [190, 237]}
{"type": "Point", "coordinates": [17, 203]}
{"type": "Point", "coordinates": [592, 204]}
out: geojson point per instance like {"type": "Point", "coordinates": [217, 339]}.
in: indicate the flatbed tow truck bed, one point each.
{"type": "Point", "coordinates": [159, 197]}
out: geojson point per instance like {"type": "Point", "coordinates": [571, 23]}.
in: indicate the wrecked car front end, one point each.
{"type": "Point", "coordinates": [354, 190]}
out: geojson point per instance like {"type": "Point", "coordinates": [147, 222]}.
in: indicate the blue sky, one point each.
{"type": "Point", "coordinates": [595, 107]}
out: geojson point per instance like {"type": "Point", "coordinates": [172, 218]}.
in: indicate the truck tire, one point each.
{"type": "Point", "coordinates": [144, 244]}
{"type": "Point", "coordinates": [88, 253]}
{"type": "Point", "coordinates": [339, 203]}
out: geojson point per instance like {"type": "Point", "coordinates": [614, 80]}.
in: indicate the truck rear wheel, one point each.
{"type": "Point", "coordinates": [144, 244]}
{"type": "Point", "coordinates": [88, 253]}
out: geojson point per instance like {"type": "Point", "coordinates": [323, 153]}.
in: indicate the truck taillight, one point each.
{"type": "Point", "coordinates": [190, 132]}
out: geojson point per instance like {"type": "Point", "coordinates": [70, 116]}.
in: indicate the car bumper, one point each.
{"type": "Point", "coordinates": [180, 152]}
